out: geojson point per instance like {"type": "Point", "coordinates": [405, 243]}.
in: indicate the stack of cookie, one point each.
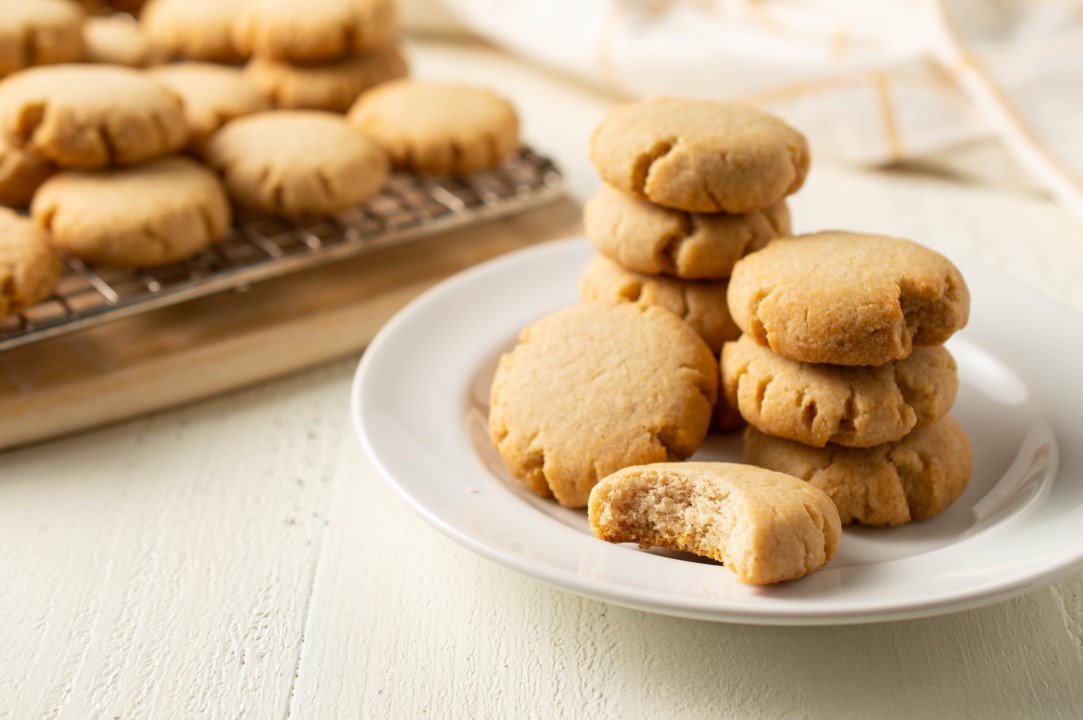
{"type": "Point", "coordinates": [841, 374]}
{"type": "Point", "coordinates": [692, 187]}
{"type": "Point", "coordinates": [320, 54]}
{"type": "Point", "coordinates": [119, 195]}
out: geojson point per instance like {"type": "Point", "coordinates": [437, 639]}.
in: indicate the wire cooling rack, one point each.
{"type": "Point", "coordinates": [261, 247]}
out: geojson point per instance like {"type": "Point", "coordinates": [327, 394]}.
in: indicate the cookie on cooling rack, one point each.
{"type": "Point", "coordinates": [765, 526]}
{"type": "Point", "coordinates": [29, 268]}
{"type": "Point", "coordinates": [89, 116]}
{"type": "Point", "coordinates": [151, 214]}
{"type": "Point", "coordinates": [297, 163]}
{"type": "Point", "coordinates": [331, 85]}
{"type": "Point", "coordinates": [118, 40]}
{"type": "Point", "coordinates": [315, 30]}
{"type": "Point", "coordinates": [438, 128]}
{"type": "Point", "coordinates": [21, 174]}
{"type": "Point", "coordinates": [212, 94]}
{"type": "Point", "coordinates": [39, 32]}
{"type": "Point", "coordinates": [193, 29]}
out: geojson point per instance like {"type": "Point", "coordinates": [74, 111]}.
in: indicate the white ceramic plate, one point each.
{"type": "Point", "coordinates": [420, 400]}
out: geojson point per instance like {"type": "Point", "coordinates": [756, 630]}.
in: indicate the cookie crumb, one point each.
{"type": "Point", "coordinates": [472, 490]}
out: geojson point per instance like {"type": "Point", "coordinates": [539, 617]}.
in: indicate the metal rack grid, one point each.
{"type": "Point", "coordinates": [261, 247]}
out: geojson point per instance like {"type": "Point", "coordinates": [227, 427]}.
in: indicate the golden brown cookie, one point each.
{"type": "Point", "coordinates": [890, 484]}
{"type": "Point", "coordinates": [847, 298]}
{"type": "Point", "coordinates": [118, 40]}
{"type": "Point", "coordinates": [699, 156]}
{"type": "Point", "coordinates": [131, 7]}
{"type": "Point", "coordinates": [39, 32]}
{"type": "Point", "coordinates": [438, 128]}
{"type": "Point", "coordinates": [652, 239]}
{"type": "Point", "coordinates": [212, 94]}
{"type": "Point", "coordinates": [701, 304]}
{"type": "Point", "coordinates": [851, 406]}
{"type": "Point", "coordinates": [332, 86]}
{"type": "Point", "coordinates": [89, 116]}
{"type": "Point", "coordinates": [765, 526]}
{"type": "Point", "coordinates": [194, 29]}
{"type": "Point", "coordinates": [315, 30]}
{"type": "Point", "coordinates": [21, 174]}
{"type": "Point", "coordinates": [29, 268]}
{"type": "Point", "coordinates": [151, 214]}
{"type": "Point", "coordinates": [297, 163]}
{"type": "Point", "coordinates": [595, 388]}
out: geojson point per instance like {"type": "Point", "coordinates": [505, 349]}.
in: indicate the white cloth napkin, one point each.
{"type": "Point", "coordinates": [869, 81]}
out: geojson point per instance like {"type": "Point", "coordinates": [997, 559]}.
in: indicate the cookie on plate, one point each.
{"type": "Point", "coordinates": [699, 156]}
{"type": "Point", "coordinates": [212, 94]}
{"type": "Point", "coordinates": [313, 31]}
{"type": "Point", "coordinates": [29, 268]}
{"type": "Point", "coordinates": [118, 40]}
{"type": "Point", "coordinates": [701, 304]}
{"type": "Point", "coordinates": [765, 526]}
{"type": "Point", "coordinates": [847, 298]}
{"type": "Point", "coordinates": [594, 388]}
{"type": "Point", "coordinates": [193, 29]}
{"type": "Point", "coordinates": [891, 484]}
{"type": "Point", "coordinates": [151, 214]}
{"type": "Point", "coordinates": [39, 32]}
{"type": "Point", "coordinates": [297, 163]}
{"type": "Point", "coordinates": [332, 86]}
{"type": "Point", "coordinates": [438, 128]}
{"type": "Point", "coordinates": [851, 406]}
{"type": "Point", "coordinates": [652, 239]}
{"type": "Point", "coordinates": [21, 174]}
{"type": "Point", "coordinates": [89, 116]}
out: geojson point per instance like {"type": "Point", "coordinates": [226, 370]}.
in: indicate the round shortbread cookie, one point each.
{"type": "Point", "coordinates": [152, 214]}
{"type": "Point", "coordinates": [699, 156]}
{"type": "Point", "coordinates": [297, 163]}
{"type": "Point", "coordinates": [765, 526]}
{"type": "Point", "coordinates": [594, 388]}
{"type": "Point", "coordinates": [21, 174]}
{"type": "Point", "coordinates": [39, 32]}
{"type": "Point", "coordinates": [332, 86]}
{"type": "Point", "coordinates": [438, 128]}
{"type": "Point", "coordinates": [846, 298]}
{"type": "Point", "coordinates": [29, 268]}
{"type": "Point", "coordinates": [118, 40]}
{"type": "Point", "coordinates": [194, 29]}
{"type": "Point", "coordinates": [132, 7]}
{"type": "Point", "coordinates": [701, 304]}
{"type": "Point", "coordinates": [652, 239]}
{"type": "Point", "coordinates": [890, 484]}
{"type": "Point", "coordinates": [212, 94]}
{"type": "Point", "coordinates": [313, 31]}
{"type": "Point", "coordinates": [90, 116]}
{"type": "Point", "coordinates": [851, 406]}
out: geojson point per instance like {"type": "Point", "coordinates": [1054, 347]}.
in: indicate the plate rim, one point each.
{"type": "Point", "coordinates": [701, 609]}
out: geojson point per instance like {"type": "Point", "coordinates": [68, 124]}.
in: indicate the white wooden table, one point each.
{"type": "Point", "coordinates": [241, 558]}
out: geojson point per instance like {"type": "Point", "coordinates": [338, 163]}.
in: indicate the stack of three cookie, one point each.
{"type": "Point", "coordinates": [691, 188]}
{"type": "Point", "coordinates": [842, 376]}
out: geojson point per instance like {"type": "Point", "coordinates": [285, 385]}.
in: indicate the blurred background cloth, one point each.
{"type": "Point", "coordinates": [871, 82]}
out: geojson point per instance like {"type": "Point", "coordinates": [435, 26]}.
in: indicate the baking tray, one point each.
{"type": "Point", "coordinates": [408, 208]}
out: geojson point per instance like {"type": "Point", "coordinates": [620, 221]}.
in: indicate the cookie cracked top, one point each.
{"type": "Point", "coordinates": [700, 156]}
{"type": "Point", "coordinates": [847, 298]}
